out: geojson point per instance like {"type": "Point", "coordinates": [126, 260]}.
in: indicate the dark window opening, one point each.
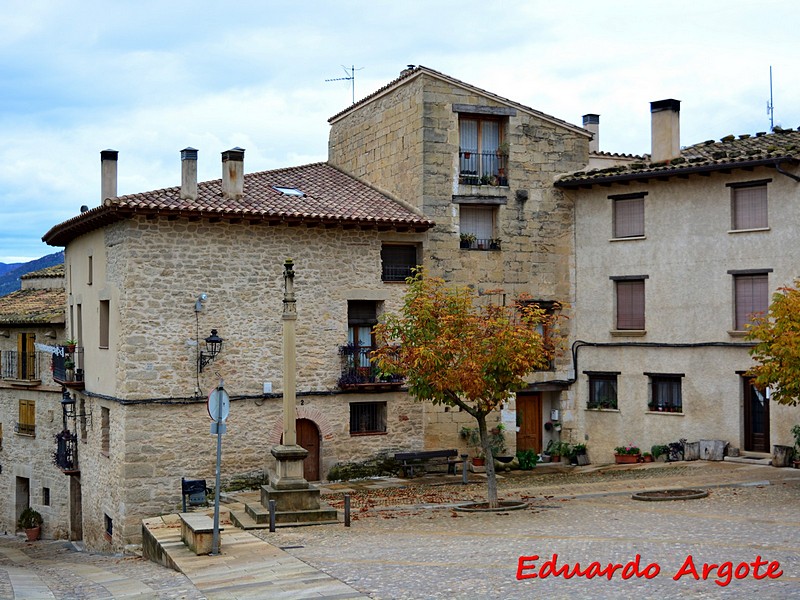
{"type": "Point", "coordinates": [367, 417]}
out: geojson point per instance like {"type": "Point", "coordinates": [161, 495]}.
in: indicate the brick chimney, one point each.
{"type": "Point", "coordinates": [233, 173]}
{"type": "Point", "coordinates": [108, 174]}
{"type": "Point", "coordinates": [592, 123]}
{"type": "Point", "coordinates": [665, 130]}
{"type": "Point", "coordinates": [189, 173]}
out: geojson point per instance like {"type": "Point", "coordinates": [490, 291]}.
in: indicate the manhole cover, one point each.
{"type": "Point", "coordinates": [664, 495]}
{"type": "Point", "coordinates": [484, 506]}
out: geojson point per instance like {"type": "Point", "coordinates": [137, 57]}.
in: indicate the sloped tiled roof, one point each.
{"type": "Point", "coordinates": [418, 70]}
{"type": "Point", "coordinates": [782, 146]}
{"type": "Point", "coordinates": [330, 196]}
{"type": "Point", "coordinates": [56, 271]}
{"type": "Point", "coordinates": [40, 307]}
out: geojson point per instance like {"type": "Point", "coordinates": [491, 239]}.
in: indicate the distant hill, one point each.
{"type": "Point", "coordinates": [10, 273]}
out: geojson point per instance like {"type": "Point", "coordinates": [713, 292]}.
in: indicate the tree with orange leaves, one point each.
{"type": "Point", "coordinates": [777, 349]}
{"type": "Point", "coordinates": [456, 351]}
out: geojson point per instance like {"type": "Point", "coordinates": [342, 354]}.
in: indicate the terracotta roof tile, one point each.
{"type": "Point", "coordinates": [730, 152]}
{"type": "Point", "coordinates": [55, 271]}
{"type": "Point", "coordinates": [329, 196]}
{"type": "Point", "coordinates": [33, 306]}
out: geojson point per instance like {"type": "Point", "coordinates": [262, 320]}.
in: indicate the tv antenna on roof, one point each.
{"type": "Point", "coordinates": [351, 78]}
{"type": "Point", "coordinates": [770, 105]}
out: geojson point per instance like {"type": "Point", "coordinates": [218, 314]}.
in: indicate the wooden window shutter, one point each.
{"type": "Point", "coordinates": [751, 296]}
{"type": "Point", "coordinates": [750, 207]}
{"type": "Point", "coordinates": [630, 304]}
{"type": "Point", "coordinates": [629, 217]}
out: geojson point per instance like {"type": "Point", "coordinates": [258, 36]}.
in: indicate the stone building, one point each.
{"type": "Point", "coordinates": [31, 330]}
{"type": "Point", "coordinates": [482, 167]}
{"type": "Point", "coordinates": [674, 252]}
{"type": "Point", "coordinates": [428, 170]}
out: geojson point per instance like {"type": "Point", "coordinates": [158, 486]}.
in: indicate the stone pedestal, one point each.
{"type": "Point", "coordinates": [289, 468]}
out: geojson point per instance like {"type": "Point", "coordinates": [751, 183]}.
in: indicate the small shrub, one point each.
{"type": "Point", "coordinates": [527, 459]}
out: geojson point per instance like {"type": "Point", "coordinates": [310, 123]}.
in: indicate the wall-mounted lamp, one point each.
{"type": "Point", "coordinates": [198, 304]}
{"type": "Point", "coordinates": [213, 347]}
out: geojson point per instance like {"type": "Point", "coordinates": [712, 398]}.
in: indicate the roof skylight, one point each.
{"type": "Point", "coordinates": [288, 191]}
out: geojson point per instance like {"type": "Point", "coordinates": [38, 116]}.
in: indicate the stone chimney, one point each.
{"type": "Point", "coordinates": [108, 174]}
{"type": "Point", "coordinates": [665, 130]}
{"type": "Point", "coordinates": [189, 173]}
{"type": "Point", "coordinates": [233, 173]}
{"type": "Point", "coordinates": [592, 123]}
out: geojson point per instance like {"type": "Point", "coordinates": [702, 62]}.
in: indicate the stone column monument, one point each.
{"type": "Point", "coordinates": [296, 501]}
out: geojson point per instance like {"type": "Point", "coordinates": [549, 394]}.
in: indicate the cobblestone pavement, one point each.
{"type": "Point", "coordinates": [414, 552]}
{"type": "Point", "coordinates": [407, 541]}
{"type": "Point", "coordinates": [55, 570]}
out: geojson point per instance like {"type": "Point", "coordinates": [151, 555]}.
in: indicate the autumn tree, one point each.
{"type": "Point", "coordinates": [777, 349]}
{"type": "Point", "coordinates": [456, 349]}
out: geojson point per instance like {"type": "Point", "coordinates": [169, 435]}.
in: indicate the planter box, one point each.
{"type": "Point", "coordinates": [626, 459]}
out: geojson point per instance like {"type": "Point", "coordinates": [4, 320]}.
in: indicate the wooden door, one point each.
{"type": "Point", "coordinates": [308, 438]}
{"type": "Point", "coordinates": [529, 416]}
{"type": "Point", "coordinates": [756, 418]}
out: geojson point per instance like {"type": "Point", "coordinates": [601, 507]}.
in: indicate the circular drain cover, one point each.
{"type": "Point", "coordinates": [664, 495]}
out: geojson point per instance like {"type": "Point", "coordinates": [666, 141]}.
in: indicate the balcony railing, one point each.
{"type": "Point", "coordinates": [482, 168]}
{"type": "Point", "coordinates": [21, 366]}
{"type": "Point", "coordinates": [358, 372]}
{"type": "Point", "coordinates": [68, 368]}
{"type": "Point", "coordinates": [66, 455]}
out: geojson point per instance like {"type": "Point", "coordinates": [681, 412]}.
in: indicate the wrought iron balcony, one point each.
{"type": "Point", "coordinates": [482, 168]}
{"type": "Point", "coordinates": [68, 368]}
{"type": "Point", "coordinates": [22, 366]}
{"type": "Point", "coordinates": [359, 373]}
{"type": "Point", "coordinates": [66, 455]}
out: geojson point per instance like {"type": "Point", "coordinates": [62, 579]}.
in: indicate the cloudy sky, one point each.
{"type": "Point", "coordinates": [148, 78]}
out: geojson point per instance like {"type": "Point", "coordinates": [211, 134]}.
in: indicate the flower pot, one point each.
{"type": "Point", "coordinates": [478, 461]}
{"type": "Point", "coordinates": [33, 533]}
{"type": "Point", "coordinates": [626, 459]}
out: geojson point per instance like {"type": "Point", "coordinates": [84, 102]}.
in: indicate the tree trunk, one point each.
{"type": "Point", "coordinates": [491, 480]}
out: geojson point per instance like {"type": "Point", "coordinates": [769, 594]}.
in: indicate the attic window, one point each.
{"type": "Point", "coordinates": [287, 191]}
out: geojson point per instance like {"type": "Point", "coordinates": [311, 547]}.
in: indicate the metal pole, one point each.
{"type": "Point", "coordinates": [220, 429]}
{"type": "Point", "coordinates": [464, 458]}
{"type": "Point", "coordinates": [272, 505]}
{"type": "Point", "coordinates": [347, 510]}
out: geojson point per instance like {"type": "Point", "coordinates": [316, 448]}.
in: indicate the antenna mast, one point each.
{"type": "Point", "coordinates": [352, 78]}
{"type": "Point", "coordinates": [770, 105]}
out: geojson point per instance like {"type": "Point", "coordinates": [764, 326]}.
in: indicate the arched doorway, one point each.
{"type": "Point", "coordinates": [308, 437]}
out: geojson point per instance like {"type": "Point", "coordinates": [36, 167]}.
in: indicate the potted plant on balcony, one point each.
{"type": "Point", "coordinates": [626, 454]}
{"type": "Point", "coordinates": [31, 522]}
{"type": "Point", "coordinates": [69, 367]}
{"type": "Point", "coordinates": [494, 244]}
{"type": "Point", "coordinates": [468, 239]}
{"type": "Point", "coordinates": [70, 345]}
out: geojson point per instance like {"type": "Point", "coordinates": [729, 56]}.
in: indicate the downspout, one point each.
{"type": "Point", "coordinates": [782, 172]}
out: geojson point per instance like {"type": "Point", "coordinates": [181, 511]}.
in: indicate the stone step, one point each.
{"type": "Point", "coordinates": [322, 516]}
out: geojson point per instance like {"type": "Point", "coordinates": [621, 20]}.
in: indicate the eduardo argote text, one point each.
{"type": "Point", "coordinates": [722, 574]}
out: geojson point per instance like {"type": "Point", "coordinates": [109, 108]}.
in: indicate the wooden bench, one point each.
{"type": "Point", "coordinates": [197, 532]}
{"type": "Point", "coordinates": [411, 459]}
